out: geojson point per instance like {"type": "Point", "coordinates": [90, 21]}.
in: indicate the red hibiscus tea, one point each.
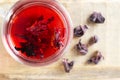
{"type": "Point", "coordinates": [37, 31]}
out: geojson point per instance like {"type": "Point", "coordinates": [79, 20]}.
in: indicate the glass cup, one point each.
{"type": "Point", "coordinates": [52, 4]}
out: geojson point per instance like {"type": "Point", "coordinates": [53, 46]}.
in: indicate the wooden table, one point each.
{"type": "Point", "coordinates": [109, 44]}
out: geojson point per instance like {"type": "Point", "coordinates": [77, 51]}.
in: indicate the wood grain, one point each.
{"type": "Point", "coordinates": [109, 44]}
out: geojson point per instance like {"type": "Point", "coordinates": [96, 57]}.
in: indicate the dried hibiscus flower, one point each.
{"type": "Point", "coordinates": [80, 30]}
{"type": "Point", "coordinates": [93, 39]}
{"type": "Point", "coordinates": [82, 48]}
{"type": "Point", "coordinates": [41, 18]}
{"type": "Point", "coordinates": [68, 65]}
{"type": "Point", "coordinates": [97, 17]}
{"type": "Point", "coordinates": [96, 58]}
{"type": "Point", "coordinates": [27, 48]}
{"type": "Point", "coordinates": [50, 20]}
{"type": "Point", "coordinates": [57, 40]}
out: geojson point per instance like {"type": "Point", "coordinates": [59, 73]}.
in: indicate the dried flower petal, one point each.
{"type": "Point", "coordinates": [80, 30]}
{"type": "Point", "coordinates": [96, 58]}
{"type": "Point", "coordinates": [38, 29]}
{"type": "Point", "coordinates": [27, 48]}
{"type": "Point", "coordinates": [57, 42]}
{"type": "Point", "coordinates": [67, 65]}
{"type": "Point", "coordinates": [50, 20]}
{"type": "Point", "coordinates": [82, 48]}
{"type": "Point", "coordinates": [97, 17]}
{"type": "Point", "coordinates": [93, 39]}
{"type": "Point", "coordinates": [71, 64]}
{"type": "Point", "coordinates": [41, 18]}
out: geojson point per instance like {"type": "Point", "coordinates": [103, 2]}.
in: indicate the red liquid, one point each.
{"type": "Point", "coordinates": [42, 34]}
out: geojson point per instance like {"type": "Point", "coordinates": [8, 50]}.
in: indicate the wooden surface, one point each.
{"type": "Point", "coordinates": [109, 44]}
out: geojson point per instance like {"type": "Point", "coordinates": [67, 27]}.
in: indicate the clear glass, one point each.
{"type": "Point", "coordinates": [53, 4]}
